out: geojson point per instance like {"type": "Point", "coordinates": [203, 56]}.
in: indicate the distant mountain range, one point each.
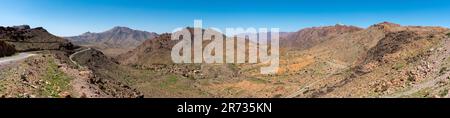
{"type": "Point", "coordinates": [115, 40]}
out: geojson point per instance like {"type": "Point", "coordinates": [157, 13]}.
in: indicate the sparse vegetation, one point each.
{"type": "Point", "coordinates": [411, 78]}
{"type": "Point", "coordinates": [2, 88]}
{"type": "Point", "coordinates": [55, 81]}
{"type": "Point", "coordinates": [170, 80]}
{"type": "Point", "coordinates": [135, 66]}
{"type": "Point", "coordinates": [257, 80]}
{"type": "Point", "coordinates": [420, 94]}
{"type": "Point", "coordinates": [448, 34]}
{"type": "Point", "coordinates": [443, 70]}
{"type": "Point", "coordinates": [6, 49]}
{"type": "Point", "coordinates": [277, 96]}
{"type": "Point", "coordinates": [228, 89]}
{"type": "Point", "coordinates": [398, 66]}
{"type": "Point", "coordinates": [443, 92]}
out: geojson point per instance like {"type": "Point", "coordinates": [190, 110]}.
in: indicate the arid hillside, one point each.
{"type": "Point", "coordinates": [44, 67]}
{"type": "Point", "coordinates": [155, 51]}
{"type": "Point", "coordinates": [383, 60]}
{"type": "Point", "coordinates": [309, 37]}
{"type": "Point", "coordinates": [374, 62]}
{"type": "Point", "coordinates": [25, 38]}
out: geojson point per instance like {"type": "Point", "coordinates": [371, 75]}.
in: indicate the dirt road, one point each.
{"type": "Point", "coordinates": [72, 55]}
{"type": "Point", "coordinates": [20, 56]}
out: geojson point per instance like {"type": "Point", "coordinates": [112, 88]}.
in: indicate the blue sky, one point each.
{"type": "Point", "coordinates": [74, 17]}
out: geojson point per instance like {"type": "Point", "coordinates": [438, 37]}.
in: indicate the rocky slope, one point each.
{"type": "Point", "coordinates": [107, 74]}
{"type": "Point", "coordinates": [381, 60]}
{"type": "Point", "coordinates": [156, 51]}
{"type": "Point", "coordinates": [309, 37]}
{"type": "Point", "coordinates": [50, 72]}
{"type": "Point", "coordinates": [155, 54]}
{"type": "Point", "coordinates": [47, 75]}
{"type": "Point", "coordinates": [25, 38]}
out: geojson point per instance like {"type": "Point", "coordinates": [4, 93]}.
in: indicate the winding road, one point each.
{"type": "Point", "coordinates": [72, 55]}
{"type": "Point", "coordinates": [24, 55]}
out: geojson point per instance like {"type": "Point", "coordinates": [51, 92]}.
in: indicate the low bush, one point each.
{"type": "Point", "coordinates": [6, 49]}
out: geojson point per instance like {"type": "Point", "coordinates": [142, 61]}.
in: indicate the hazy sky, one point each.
{"type": "Point", "coordinates": [74, 17]}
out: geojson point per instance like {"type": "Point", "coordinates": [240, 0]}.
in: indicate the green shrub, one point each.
{"type": "Point", "coordinates": [170, 80]}
{"type": "Point", "coordinates": [6, 49]}
{"type": "Point", "coordinates": [443, 70]}
{"type": "Point", "coordinates": [56, 81]}
{"type": "Point", "coordinates": [398, 66]}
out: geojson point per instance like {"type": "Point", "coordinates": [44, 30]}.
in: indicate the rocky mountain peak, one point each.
{"type": "Point", "coordinates": [118, 38]}
{"type": "Point", "coordinates": [119, 29]}
{"type": "Point", "coordinates": [385, 26]}
{"type": "Point", "coordinates": [22, 27]}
